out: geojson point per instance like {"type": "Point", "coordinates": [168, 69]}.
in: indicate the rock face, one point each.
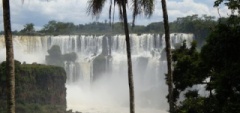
{"type": "Point", "coordinates": [67, 60]}
{"type": "Point", "coordinates": [55, 56]}
{"type": "Point", "coordinates": [39, 89]}
{"type": "Point", "coordinates": [102, 63]}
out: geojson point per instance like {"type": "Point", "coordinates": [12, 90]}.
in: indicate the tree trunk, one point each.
{"type": "Point", "coordinates": [169, 57]}
{"type": "Point", "coordinates": [129, 60]}
{"type": "Point", "coordinates": [9, 58]}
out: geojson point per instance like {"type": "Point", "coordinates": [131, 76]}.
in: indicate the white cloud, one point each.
{"type": "Point", "coordinates": [40, 12]}
{"type": "Point", "coordinates": [190, 7]}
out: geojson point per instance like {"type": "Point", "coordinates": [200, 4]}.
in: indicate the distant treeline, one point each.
{"type": "Point", "coordinates": [200, 26]}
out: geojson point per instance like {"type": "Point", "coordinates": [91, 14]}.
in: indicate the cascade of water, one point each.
{"type": "Point", "coordinates": [149, 66]}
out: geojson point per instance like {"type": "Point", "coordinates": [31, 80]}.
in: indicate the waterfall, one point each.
{"type": "Point", "coordinates": [101, 65]}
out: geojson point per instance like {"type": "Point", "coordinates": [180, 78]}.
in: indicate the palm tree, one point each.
{"type": "Point", "coordinates": [169, 57]}
{"type": "Point", "coordinates": [128, 49]}
{"type": "Point", "coordinates": [139, 6]}
{"type": "Point", "coordinates": [9, 57]}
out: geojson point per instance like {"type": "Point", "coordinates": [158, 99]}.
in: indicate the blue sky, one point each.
{"type": "Point", "coordinates": [40, 12]}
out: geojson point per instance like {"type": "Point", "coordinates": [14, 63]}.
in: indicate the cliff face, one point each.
{"type": "Point", "coordinates": [39, 89]}
{"type": "Point", "coordinates": [102, 63]}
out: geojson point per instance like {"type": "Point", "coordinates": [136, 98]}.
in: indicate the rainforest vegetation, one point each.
{"type": "Point", "coordinates": [215, 69]}
{"type": "Point", "coordinates": [200, 26]}
{"type": "Point", "coordinates": [39, 88]}
{"type": "Point", "coordinates": [196, 24]}
{"type": "Point", "coordinates": [205, 81]}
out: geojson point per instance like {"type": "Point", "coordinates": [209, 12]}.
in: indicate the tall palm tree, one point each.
{"type": "Point", "coordinates": [169, 57]}
{"type": "Point", "coordinates": [139, 6]}
{"type": "Point", "coordinates": [128, 49]}
{"type": "Point", "coordinates": [9, 57]}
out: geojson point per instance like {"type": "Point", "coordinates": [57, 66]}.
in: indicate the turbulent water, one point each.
{"type": "Point", "coordinates": [109, 92]}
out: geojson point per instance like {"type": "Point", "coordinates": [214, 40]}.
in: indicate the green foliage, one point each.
{"type": "Point", "coordinates": [28, 29]}
{"type": "Point", "coordinates": [152, 27]}
{"type": "Point", "coordinates": [39, 88]}
{"type": "Point", "coordinates": [54, 27]}
{"type": "Point", "coordinates": [192, 105]}
{"type": "Point", "coordinates": [219, 61]}
{"type": "Point", "coordinates": [3, 69]}
{"type": "Point", "coordinates": [192, 94]}
{"type": "Point", "coordinates": [38, 108]}
{"type": "Point", "coordinates": [187, 71]}
{"type": "Point", "coordinates": [234, 5]}
{"type": "Point", "coordinates": [221, 56]}
{"type": "Point", "coordinates": [199, 25]}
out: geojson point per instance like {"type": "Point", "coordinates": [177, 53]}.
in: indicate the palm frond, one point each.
{"type": "Point", "coordinates": [148, 7]}
{"type": "Point", "coordinates": [110, 12]}
{"type": "Point", "coordinates": [114, 11]}
{"type": "Point", "coordinates": [95, 7]}
{"type": "Point", "coordinates": [136, 10]}
{"type": "Point", "coordinates": [119, 4]}
{"type": "Point", "coordinates": [145, 7]}
{"type": "Point", "coordinates": [142, 6]}
{"type": "Point", "coordinates": [120, 11]}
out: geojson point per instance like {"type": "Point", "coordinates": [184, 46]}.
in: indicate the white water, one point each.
{"type": "Point", "coordinates": [109, 93]}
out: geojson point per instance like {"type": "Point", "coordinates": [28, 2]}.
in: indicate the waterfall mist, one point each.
{"type": "Point", "coordinates": [97, 81]}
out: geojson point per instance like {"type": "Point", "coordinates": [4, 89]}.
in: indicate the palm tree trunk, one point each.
{"type": "Point", "coordinates": [129, 60]}
{"type": "Point", "coordinates": [9, 57]}
{"type": "Point", "coordinates": [169, 57]}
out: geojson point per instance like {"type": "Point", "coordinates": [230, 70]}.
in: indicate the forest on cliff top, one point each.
{"type": "Point", "coordinates": [198, 25]}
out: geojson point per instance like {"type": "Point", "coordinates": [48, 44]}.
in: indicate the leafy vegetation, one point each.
{"type": "Point", "coordinates": [234, 5]}
{"type": "Point", "coordinates": [216, 67]}
{"type": "Point", "coordinates": [28, 29]}
{"type": "Point", "coordinates": [200, 26]}
{"type": "Point", "coordinates": [39, 88]}
{"type": "Point", "coordinates": [186, 68]}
